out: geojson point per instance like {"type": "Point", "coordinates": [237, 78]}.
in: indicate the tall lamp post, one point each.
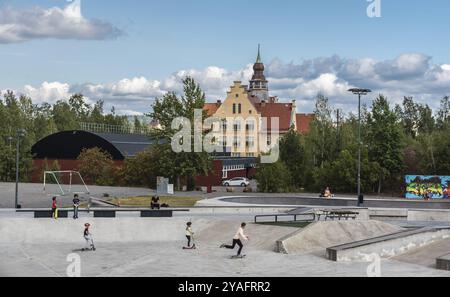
{"type": "Point", "coordinates": [20, 134]}
{"type": "Point", "coordinates": [359, 92]}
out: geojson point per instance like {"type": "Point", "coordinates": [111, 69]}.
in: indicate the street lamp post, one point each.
{"type": "Point", "coordinates": [20, 134]}
{"type": "Point", "coordinates": [359, 92]}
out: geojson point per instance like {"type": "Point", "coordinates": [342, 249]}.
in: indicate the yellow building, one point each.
{"type": "Point", "coordinates": [252, 121]}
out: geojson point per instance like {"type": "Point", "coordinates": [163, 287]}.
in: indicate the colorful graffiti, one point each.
{"type": "Point", "coordinates": [418, 185]}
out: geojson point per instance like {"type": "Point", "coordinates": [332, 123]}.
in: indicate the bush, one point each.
{"type": "Point", "coordinates": [273, 178]}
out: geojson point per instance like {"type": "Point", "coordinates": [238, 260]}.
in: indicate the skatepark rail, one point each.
{"type": "Point", "coordinates": [312, 217]}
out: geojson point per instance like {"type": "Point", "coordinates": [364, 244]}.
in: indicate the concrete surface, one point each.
{"type": "Point", "coordinates": [321, 235]}
{"type": "Point", "coordinates": [152, 247]}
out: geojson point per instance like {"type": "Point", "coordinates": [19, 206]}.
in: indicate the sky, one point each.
{"type": "Point", "coordinates": [129, 52]}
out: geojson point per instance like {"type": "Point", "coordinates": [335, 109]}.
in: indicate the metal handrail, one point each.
{"type": "Point", "coordinates": [295, 216]}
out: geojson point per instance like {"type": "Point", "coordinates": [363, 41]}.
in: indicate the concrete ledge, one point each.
{"type": "Point", "coordinates": [443, 263]}
{"type": "Point", "coordinates": [337, 202]}
{"type": "Point", "coordinates": [386, 246]}
{"type": "Point", "coordinates": [156, 214]}
{"type": "Point", "coordinates": [429, 215]}
{"type": "Point", "coordinates": [104, 214]}
{"type": "Point", "coordinates": [45, 214]}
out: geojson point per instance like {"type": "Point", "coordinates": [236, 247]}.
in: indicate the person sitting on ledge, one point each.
{"type": "Point", "coordinates": [155, 203]}
{"type": "Point", "coordinates": [327, 193]}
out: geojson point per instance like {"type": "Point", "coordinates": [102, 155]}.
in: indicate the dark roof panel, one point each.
{"type": "Point", "coordinates": [69, 144]}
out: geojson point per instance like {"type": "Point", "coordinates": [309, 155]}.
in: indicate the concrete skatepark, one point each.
{"type": "Point", "coordinates": [408, 240]}
{"type": "Point", "coordinates": [130, 246]}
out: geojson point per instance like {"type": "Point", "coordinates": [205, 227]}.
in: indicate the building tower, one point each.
{"type": "Point", "coordinates": [259, 87]}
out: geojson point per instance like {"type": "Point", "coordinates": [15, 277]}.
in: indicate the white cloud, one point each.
{"type": "Point", "coordinates": [61, 23]}
{"type": "Point", "coordinates": [332, 77]}
{"type": "Point", "coordinates": [48, 92]}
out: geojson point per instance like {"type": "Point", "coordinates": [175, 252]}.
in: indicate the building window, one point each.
{"type": "Point", "coordinates": [250, 142]}
{"type": "Point", "coordinates": [240, 108]}
{"type": "Point", "coordinates": [237, 95]}
{"type": "Point", "coordinates": [224, 125]}
{"type": "Point", "coordinates": [250, 126]}
{"type": "Point", "coordinates": [237, 142]}
{"type": "Point", "coordinates": [224, 141]}
{"type": "Point", "coordinates": [269, 140]}
{"type": "Point", "coordinates": [224, 173]}
{"type": "Point", "coordinates": [234, 108]}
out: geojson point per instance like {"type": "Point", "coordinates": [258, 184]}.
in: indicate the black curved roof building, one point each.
{"type": "Point", "coordinates": [68, 145]}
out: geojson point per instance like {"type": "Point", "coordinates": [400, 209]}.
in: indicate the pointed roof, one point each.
{"type": "Point", "coordinates": [258, 59]}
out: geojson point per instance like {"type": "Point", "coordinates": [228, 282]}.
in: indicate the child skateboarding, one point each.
{"type": "Point", "coordinates": [237, 241]}
{"type": "Point", "coordinates": [190, 237]}
{"type": "Point", "coordinates": [88, 237]}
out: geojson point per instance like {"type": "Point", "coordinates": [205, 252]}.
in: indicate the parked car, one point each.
{"type": "Point", "coordinates": [237, 182]}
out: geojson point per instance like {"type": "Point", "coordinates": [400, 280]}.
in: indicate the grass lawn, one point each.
{"type": "Point", "coordinates": [144, 201]}
{"type": "Point", "coordinates": [286, 224]}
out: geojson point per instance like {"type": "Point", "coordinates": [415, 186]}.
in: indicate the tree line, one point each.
{"type": "Point", "coordinates": [407, 138]}
{"type": "Point", "coordinates": [397, 140]}
{"type": "Point", "coordinates": [18, 112]}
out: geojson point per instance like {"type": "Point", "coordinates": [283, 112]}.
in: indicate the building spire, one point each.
{"type": "Point", "coordinates": [258, 59]}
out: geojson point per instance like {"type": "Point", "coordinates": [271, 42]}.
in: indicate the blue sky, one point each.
{"type": "Point", "coordinates": [142, 47]}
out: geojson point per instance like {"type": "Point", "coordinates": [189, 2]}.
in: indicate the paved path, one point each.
{"type": "Point", "coordinates": [33, 195]}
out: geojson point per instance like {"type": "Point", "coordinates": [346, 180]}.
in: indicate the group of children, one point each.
{"type": "Point", "coordinates": [76, 205]}
{"type": "Point", "coordinates": [237, 239]}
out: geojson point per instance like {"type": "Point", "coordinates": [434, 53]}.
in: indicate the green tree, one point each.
{"type": "Point", "coordinates": [292, 154]}
{"type": "Point", "coordinates": [63, 117]}
{"type": "Point", "coordinates": [184, 165]}
{"type": "Point", "coordinates": [96, 166]}
{"type": "Point", "coordinates": [385, 140]}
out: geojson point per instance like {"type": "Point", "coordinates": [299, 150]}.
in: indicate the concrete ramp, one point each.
{"type": "Point", "coordinates": [210, 233]}
{"type": "Point", "coordinates": [321, 235]}
{"type": "Point", "coordinates": [44, 231]}
{"type": "Point", "coordinates": [387, 246]}
{"type": "Point", "coordinates": [262, 237]}
{"type": "Point", "coordinates": [426, 255]}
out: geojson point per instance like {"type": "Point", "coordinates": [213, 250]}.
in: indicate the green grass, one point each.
{"type": "Point", "coordinates": [286, 224]}
{"type": "Point", "coordinates": [144, 201]}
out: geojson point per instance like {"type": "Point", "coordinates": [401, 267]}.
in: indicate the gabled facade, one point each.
{"type": "Point", "coordinates": [252, 120]}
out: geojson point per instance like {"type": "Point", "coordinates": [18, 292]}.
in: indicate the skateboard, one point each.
{"type": "Point", "coordinates": [238, 257]}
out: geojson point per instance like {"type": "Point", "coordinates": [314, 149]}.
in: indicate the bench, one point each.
{"type": "Point", "coordinates": [337, 214]}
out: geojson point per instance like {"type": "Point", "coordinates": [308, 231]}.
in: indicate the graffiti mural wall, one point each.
{"type": "Point", "coordinates": [418, 185]}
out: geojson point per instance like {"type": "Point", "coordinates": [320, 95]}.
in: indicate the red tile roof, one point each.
{"type": "Point", "coordinates": [282, 111]}
{"type": "Point", "coordinates": [211, 108]}
{"type": "Point", "coordinates": [304, 122]}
